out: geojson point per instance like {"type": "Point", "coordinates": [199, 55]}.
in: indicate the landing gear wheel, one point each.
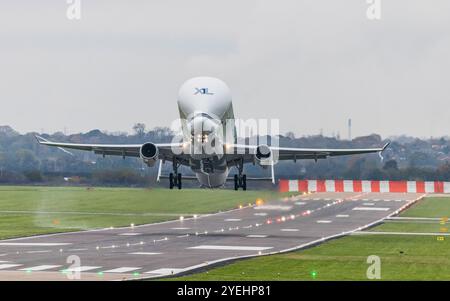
{"type": "Point", "coordinates": [171, 182]}
{"type": "Point", "coordinates": [236, 183]}
{"type": "Point", "coordinates": [179, 181]}
{"type": "Point", "coordinates": [244, 182]}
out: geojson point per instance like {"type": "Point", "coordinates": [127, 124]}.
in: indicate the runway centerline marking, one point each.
{"type": "Point", "coordinates": [260, 214]}
{"type": "Point", "coordinates": [300, 203]}
{"type": "Point", "coordinates": [41, 267]}
{"type": "Point", "coordinates": [232, 219]}
{"type": "Point", "coordinates": [230, 248]}
{"type": "Point", "coordinates": [289, 230]}
{"type": "Point", "coordinates": [368, 204]}
{"type": "Point", "coordinates": [130, 234]}
{"type": "Point", "coordinates": [371, 209]}
{"type": "Point", "coordinates": [32, 244]}
{"type": "Point", "coordinates": [122, 270]}
{"type": "Point", "coordinates": [180, 228]}
{"type": "Point", "coordinates": [256, 236]}
{"type": "Point", "coordinates": [342, 215]}
{"type": "Point", "coordinates": [145, 253]}
{"type": "Point", "coordinates": [323, 221]}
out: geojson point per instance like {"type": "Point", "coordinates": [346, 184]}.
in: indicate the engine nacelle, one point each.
{"type": "Point", "coordinates": [149, 153]}
{"type": "Point", "coordinates": [263, 155]}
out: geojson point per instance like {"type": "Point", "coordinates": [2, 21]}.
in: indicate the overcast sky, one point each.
{"type": "Point", "coordinates": [313, 64]}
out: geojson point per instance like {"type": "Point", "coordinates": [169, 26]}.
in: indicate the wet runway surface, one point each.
{"type": "Point", "coordinates": [169, 248]}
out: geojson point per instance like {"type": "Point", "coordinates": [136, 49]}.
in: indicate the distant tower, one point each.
{"type": "Point", "coordinates": [350, 129]}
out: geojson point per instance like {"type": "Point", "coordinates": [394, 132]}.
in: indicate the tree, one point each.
{"type": "Point", "coordinates": [139, 129]}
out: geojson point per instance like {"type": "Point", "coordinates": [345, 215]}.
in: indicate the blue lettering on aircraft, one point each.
{"type": "Point", "coordinates": [203, 91]}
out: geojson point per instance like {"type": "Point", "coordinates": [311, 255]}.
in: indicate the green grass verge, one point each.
{"type": "Point", "coordinates": [39, 210]}
{"type": "Point", "coordinates": [430, 207]}
{"type": "Point", "coordinates": [402, 257]}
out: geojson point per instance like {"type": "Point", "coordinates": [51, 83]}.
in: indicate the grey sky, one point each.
{"type": "Point", "coordinates": [313, 64]}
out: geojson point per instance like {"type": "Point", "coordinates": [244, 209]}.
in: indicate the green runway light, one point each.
{"type": "Point", "coordinates": [313, 274]}
{"type": "Point", "coordinates": [28, 271]}
{"type": "Point", "coordinates": [135, 274]}
{"type": "Point", "coordinates": [100, 273]}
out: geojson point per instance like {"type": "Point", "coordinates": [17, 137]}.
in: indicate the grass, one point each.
{"type": "Point", "coordinates": [28, 211]}
{"type": "Point", "coordinates": [430, 207]}
{"type": "Point", "coordinates": [402, 257]}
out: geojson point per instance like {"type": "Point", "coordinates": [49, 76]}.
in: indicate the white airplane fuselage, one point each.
{"type": "Point", "coordinates": [205, 108]}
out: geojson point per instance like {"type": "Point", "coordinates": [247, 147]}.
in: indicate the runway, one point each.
{"type": "Point", "coordinates": [183, 245]}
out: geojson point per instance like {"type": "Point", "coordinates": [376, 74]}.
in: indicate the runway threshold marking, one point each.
{"type": "Point", "coordinates": [7, 266]}
{"type": "Point", "coordinates": [122, 270]}
{"type": "Point", "coordinates": [165, 271]}
{"type": "Point", "coordinates": [30, 244]}
{"type": "Point", "coordinates": [230, 248]}
{"type": "Point", "coordinates": [82, 268]}
{"type": "Point", "coordinates": [371, 209]}
{"type": "Point", "coordinates": [40, 267]}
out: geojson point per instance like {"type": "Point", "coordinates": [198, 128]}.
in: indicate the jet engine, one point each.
{"type": "Point", "coordinates": [149, 153]}
{"type": "Point", "coordinates": [263, 155]}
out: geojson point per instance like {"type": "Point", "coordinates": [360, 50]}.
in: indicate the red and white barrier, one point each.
{"type": "Point", "coordinates": [364, 186]}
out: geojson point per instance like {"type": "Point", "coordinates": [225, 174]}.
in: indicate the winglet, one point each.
{"type": "Point", "coordinates": [386, 145]}
{"type": "Point", "coordinates": [40, 139]}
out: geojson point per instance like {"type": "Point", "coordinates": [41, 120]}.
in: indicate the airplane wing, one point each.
{"type": "Point", "coordinates": [286, 153]}
{"type": "Point", "coordinates": [124, 150]}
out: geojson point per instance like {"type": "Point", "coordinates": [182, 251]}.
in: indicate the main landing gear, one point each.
{"type": "Point", "coordinates": [175, 177]}
{"type": "Point", "coordinates": [240, 180]}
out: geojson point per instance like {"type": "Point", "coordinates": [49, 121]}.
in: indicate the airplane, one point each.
{"type": "Point", "coordinates": [205, 108]}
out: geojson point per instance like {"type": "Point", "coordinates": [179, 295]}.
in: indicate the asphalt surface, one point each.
{"type": "Point", "coordinates": [169, 248]}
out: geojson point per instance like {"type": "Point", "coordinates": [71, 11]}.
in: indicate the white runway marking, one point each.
{"type": "Point", "coordinates": [399, 200]}
{"type": "Point", "coordinates": [7, 266]}
{"type": "Point", "coordinates": [371, 208]}
{"type": "Point", "coordinates": [323, 222]}
{"type": "Point", "coordinates": [3, 261]}
{"type": "Point", "coordinates": [41, 268]}
{"type": "Point", "coordinates": [256, 236]}
{"type": "Point", "coordinates": [181, 228]}
{"type": "Point", "coordinates": [230, 248]}
{"type": "Point", "coordinates": [30, 244]}
{"type": "Point", "coordinates": [368, 204]}
{"type": "Point", "coordinates": [39, 251]}
{"type": "Point", "coordinates": [273, 207]}
{"type": "Point", "coordinates": [130, 234]}
{"type": "Point", "coordinates": [342, 215]}
{"type": "Point", "coordinates": [145, 253]}
{"type": "Point", "coordinates": [232, 219]}
{"type": "Point", "coordinates": [122, 270]}
{"type": "Point", "coordinates": [82, 269]}
{"type": "Point", "coordinates": [165, 271]}
{"type": "Point", "coordinates": [300, 203]}
{"type": "Point", "coordinates": [76, 250]}
{"type": "Point", "coordinates": [260, 214]}
{"type": "Point", "coordinates": [289, 230]}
